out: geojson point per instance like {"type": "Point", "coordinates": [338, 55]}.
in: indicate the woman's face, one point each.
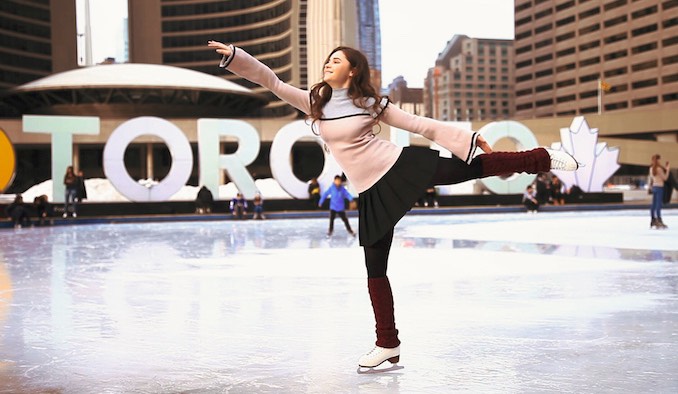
{"type": "Point", "coordinates": [338, 71]}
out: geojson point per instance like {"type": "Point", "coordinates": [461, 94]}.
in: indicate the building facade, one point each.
{"type": "Point", "coordinates": [28, 40]}
{"type": "Point", "coordinates": [472, 81]}
{"type": "Point", "coordinates": [406, 98]}
{"type": "Point", "coordinates": [577, 57]}
{"type": "Point", "coordinates": [369, 37]}
{"type": "Point", "coordinates": [176, 33]}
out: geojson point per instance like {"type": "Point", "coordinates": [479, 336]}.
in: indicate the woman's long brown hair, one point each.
{"type": "Point", "coordinates": [359, 90]}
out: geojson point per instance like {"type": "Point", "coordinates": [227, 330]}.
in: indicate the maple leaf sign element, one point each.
{"type": "Point", "coordinates": [597, 162]}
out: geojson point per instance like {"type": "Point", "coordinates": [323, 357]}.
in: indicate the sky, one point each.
{"type": "Point", "coordinates": [107, 19]}
{"type": "Point", "coordinates": [413, 32]}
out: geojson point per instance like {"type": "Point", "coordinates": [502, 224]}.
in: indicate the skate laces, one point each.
{"type": "Point", "coordinates": [376, 350]}
{"type": "Point", "coordinates": [561, 160]}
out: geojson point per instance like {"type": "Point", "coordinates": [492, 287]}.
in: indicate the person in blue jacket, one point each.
{"type": "Point", "coordinates": [337, 194]}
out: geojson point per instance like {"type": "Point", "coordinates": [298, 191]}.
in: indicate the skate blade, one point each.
{"type": "Point", "coordinates": [373, 370]}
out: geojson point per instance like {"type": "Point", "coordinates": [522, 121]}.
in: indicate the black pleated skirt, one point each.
{"type": "Point", "coordinates": [381, 206]}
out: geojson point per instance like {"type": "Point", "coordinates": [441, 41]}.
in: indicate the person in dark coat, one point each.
{"type": "Point", "coordinates": [43, 209]}
{"type": "Point", "coordinates": [204, 200]}
{"type": "Point", "coordinates": [18, 212]}
{"type": "Point", "coordinates": [82, 190]}
{"type": "Point", "coordinates": [314, 192]}
{"type": "Point", "coordinates": [669, 185]}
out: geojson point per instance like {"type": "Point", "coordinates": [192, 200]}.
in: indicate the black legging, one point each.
{"type": "Point", "coordinates": [342, 215]}
{"type": "Point", "coordinates": [449, 171]}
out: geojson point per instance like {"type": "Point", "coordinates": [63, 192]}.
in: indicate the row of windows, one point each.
{"type": "Point", "coordinates": [589, 29]}
{"type": "Point", "coordinates": [589, 12]}
{"type": "Point", "coordinates": [25, 10]}
{"type": "Point", "coordinates": [469, 114]}
{"type": "Point", "coordinates": [569, 4]}
{"type": "Point", "coordinates": [226, 21]}
{"type": "Point", "coordinates": [457, 77]}
{"type": "Point", "coordinates": [623, 87]}
{"type": "Point", "coordinates": [194, 40]}
{"type": "Point", "coordinates": [25, 62]}
{"type": "Point", "coordinates": [594, 109]}
{"type": "Point", "coordinates": [481, 103]}
{"type": "Point", "coordinates": [467, 94]}
{"type": "Point", "coordinates": [18, 78]}
{"type": "Point", "coordinates": [201, 56]}
{"type": "Point", "coordinates": [642, 101]}
{"type": "Point", "coordinates": [482, 86]}
{"type": "Point", "coordinates": [480, 70]}
{"type": "Point", "coordinates": [596, 59]}
{"type": "Point", "coordinates": [211, 7]}
{"type": "Point", "coordinates": [25, 45]}
{"type": "Point", "coordinates": [23, 27]}
{"type": "Point", "coordinates": [484, 60]}
{"type": "Point", "coordinates": [607, 23]}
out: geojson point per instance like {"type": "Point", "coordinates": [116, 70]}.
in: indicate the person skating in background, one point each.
{"type": "Point", "coordinates": [658, 175]}
{"type": "Point", "coordinates": [345, 109]}
{"type": "Point", "coordinates": [338, 195]}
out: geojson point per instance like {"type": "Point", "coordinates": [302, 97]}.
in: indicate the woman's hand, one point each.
{"type": "Point", "coordinates": [221, 48]}
{"type": "Point", "coordinates": [483, 145]}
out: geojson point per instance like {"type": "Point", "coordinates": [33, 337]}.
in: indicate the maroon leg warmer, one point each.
{"type": "Point", "coordinates": [382, 303]}
{"type": "Point", "coordinates": [506, 163]}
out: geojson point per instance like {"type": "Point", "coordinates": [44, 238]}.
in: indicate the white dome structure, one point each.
{"type": "Point", "coordinates": [133, 89]}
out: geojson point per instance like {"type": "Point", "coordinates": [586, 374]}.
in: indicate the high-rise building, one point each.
{"type": "Point", "coordinates": [472, 80]}
{"type": "Point", "coordinates": [28, 39]}
{"type": "Point", "coordinates": [577, 57]}
{"type": "Point", "coordinates": [176, 33]}
{"type": "Point", "coordinates": [334, 23]}
{"type": "Point", "coordinates": [293, 37]}
{"type": "Point", "coordinates": [369, 37]}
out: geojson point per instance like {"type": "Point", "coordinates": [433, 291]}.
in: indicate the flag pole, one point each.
{"type": "Point", "coordinates": [600, 96]}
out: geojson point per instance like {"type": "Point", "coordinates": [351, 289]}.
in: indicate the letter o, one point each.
{"type": "Point", "coordinates": [524, 139]}
{"type": "Point", "coordinates": [280, 159]}
{"type": "Point", "coordinates": [180, 151]}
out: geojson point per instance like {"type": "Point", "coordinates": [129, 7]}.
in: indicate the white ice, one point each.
{"type": "Point", "coordinates": [553, 302]}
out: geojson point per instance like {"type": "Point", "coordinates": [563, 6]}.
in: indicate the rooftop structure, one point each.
{"type": "Point", "coordinates": [119, 90]}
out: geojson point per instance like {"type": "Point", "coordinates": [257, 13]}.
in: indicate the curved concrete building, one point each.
{"type": "Point", "coordinates": [120, 90]}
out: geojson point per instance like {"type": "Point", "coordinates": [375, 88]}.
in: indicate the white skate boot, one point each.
{"type": "Point", "coordinates": [561, 160]}
{"type": "Point", "coordinates": [376, 357]}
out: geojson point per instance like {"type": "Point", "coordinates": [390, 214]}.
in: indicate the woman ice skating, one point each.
{"type": "Point", "coordinates": [342, 109]}
{"type": "Point", "coordinates": [659, 174]}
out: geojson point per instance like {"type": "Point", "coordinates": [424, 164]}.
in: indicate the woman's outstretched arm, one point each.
{"type": "Point", "coordinates": [461, 142]}
{"type": "Point", "coordinates": [246, 66]}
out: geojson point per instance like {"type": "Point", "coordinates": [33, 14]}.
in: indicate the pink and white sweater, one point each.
{"type": "Point", "coordinates": [348, 129]}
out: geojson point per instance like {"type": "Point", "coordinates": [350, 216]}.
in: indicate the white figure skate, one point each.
{"type": "Point", "coordinates": [377, 356]}
{"type": "Point", "coordinates": [561, 160]}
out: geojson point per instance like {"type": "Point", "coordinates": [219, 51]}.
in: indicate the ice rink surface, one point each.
{"type": "Point", "coordinates": [559, 302]}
